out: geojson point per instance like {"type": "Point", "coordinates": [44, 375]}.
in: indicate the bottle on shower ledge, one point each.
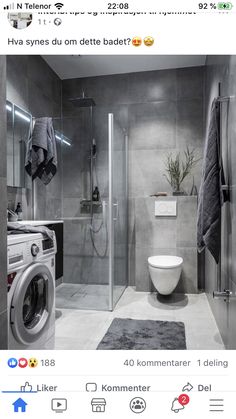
{"type": "Point", "coordinates": [19, 212]}
{"type": "Point", "coordinates": [96, 194]}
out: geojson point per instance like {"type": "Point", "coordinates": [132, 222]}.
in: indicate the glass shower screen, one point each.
{"type": "Point", "coordinates": [118, 198]}
{"type": "Point", "coordinates": [95, 228]}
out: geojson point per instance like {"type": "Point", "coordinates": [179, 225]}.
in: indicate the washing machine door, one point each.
{"type": "Point", "coordinates": [32, 303]}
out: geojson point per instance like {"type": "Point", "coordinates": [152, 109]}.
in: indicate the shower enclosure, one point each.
{"type": "Point", "coordinates": [94, 205]}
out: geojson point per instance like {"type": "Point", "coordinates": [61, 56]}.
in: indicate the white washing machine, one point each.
{"type": "Point", "coordinates": [31, 291]}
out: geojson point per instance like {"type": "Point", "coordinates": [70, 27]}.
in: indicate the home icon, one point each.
{"type": "Point", "coordinates": [19, 406]}
{"type": "Point", "coordinates": [98, 405]}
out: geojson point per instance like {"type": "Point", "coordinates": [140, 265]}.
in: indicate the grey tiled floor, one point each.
{"type": "Point", "coordinates": [85, 296]}
{"type": "Point", "coordinates": [84, 329]}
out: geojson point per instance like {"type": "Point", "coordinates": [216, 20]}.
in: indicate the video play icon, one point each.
{"type": "Point", "coordinates": [59, 405]}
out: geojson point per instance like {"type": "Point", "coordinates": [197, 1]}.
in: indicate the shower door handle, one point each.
{"type": "Point", "coordinates": [227, 295]}
{"type": "Point", "coordinates": [115, 211]}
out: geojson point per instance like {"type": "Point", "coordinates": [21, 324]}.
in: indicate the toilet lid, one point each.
{"type": "Point", "coordinates": [165, 262]}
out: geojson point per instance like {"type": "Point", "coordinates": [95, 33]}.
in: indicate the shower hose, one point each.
{"type": "Point", "coordinates": [93, 231]}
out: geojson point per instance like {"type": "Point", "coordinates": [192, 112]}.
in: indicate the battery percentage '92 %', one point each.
{"type": "Point", "coordinates": [206, 6]}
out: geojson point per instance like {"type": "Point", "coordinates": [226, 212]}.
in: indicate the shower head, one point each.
{"type": "Point", "coordinates": [83, 101]}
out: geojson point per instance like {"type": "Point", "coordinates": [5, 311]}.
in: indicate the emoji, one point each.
{"type": "Point", "coordinates": [137, 41]}
{"type": "Point", "coordinates": [22, 362]}
{"type": "Point", "coordinates": [148, 41]}
{"type": "Point", "coordinates": [33, 362]}
{"type": "Point", "coordinates": [12, 362]}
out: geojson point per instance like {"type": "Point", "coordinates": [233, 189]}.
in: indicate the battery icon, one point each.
{"type": "Point", "coordinates": [224, 6]}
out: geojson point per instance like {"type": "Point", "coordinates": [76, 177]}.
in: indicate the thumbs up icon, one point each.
{"type": "Point", "coordinates": [27, 388]}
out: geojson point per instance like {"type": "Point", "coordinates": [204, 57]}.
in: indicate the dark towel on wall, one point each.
{"type": "Point", "coordinates": [211, 197]}
{"type": "Point", "coordinates": [41, 155]}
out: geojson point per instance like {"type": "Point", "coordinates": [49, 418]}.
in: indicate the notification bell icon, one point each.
{"type": "Point", "coordinates": [176, 406]}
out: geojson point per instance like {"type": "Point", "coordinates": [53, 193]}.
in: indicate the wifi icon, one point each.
{"type": "Point", "coordinates": [59, 5]}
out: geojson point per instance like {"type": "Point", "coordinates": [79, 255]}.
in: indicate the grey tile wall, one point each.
{"type": "Point", "coordinates": [163, 111]}
{"type": "Point", "coordinates": [3, 206]}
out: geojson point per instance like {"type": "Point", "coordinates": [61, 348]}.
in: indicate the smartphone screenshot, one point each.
{"type": "Point", "coordinates": [117, 209]}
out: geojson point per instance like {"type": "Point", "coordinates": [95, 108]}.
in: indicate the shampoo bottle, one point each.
{"type": "Point", "coordinates": [19, 212]}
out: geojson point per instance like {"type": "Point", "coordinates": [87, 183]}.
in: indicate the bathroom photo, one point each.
{"type": "Point", "coordinates": [118, 204]}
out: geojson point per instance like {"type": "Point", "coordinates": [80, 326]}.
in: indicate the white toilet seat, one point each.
{"type": "Point", "coordinates": [165, 262]}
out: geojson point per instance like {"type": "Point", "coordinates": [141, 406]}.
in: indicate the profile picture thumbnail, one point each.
{"type": "Point", "coordinates": [20, 20]}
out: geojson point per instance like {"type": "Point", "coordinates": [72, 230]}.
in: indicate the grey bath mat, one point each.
{"type": "Point", "coordinates": [144, 334]}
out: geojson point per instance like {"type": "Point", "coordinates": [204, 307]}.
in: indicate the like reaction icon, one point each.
{"type": "Point", "coordinates": [12, 362]}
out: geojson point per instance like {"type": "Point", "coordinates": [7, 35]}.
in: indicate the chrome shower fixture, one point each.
{"type": "Point", "coordinates": [83, 101]}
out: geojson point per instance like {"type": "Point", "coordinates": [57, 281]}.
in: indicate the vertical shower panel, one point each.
{"type": "Point", "coordinates": [117, 209]}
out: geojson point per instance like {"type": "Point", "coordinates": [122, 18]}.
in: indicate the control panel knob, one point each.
{"type": "Point", "coordinates": [34, 249]}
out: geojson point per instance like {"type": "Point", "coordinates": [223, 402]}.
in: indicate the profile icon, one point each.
{"type": "Point", "coordinates": [20, 20]}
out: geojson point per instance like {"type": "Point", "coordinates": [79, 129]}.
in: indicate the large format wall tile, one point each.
{"type": "Point", "coordinates": [190, 82]}
{"type": "Point", "coordinates": [17, 82]}
{"type": "Point", "coordinates": [187, 221]}
{"type": "Point", "coordinates": [190, 121]}
{"type": "Point", "coordinates": [146, 173]}
{"type": "Point", "coordinates": [152, 125]}
{"type": "Point", "coordinates": [151, 86]}
{"type": "Point", "coordinates": [151, 231]}
{"type": "Point", "coordinates": [43, 77]}
{"type": "Point", "coordinates": [188, 282]}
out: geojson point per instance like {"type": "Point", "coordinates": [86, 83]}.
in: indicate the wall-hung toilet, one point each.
{"type": "Point", "coordinates": [165, 272]}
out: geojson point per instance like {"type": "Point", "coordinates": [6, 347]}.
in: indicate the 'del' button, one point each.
{"type": "Point", "coordinates": [204, 388]}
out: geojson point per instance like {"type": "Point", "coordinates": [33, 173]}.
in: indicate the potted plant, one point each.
{"type": "Point", "coordinates": [178, 169]}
